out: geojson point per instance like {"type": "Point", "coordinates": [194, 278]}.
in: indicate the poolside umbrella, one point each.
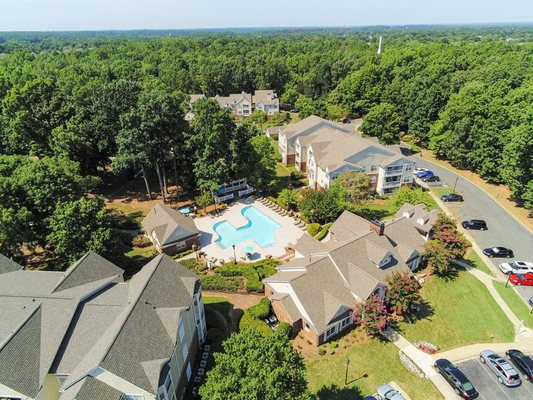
{"type": "Point", "coordinates": [248, 249]}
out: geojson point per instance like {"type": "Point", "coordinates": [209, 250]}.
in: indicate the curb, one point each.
{"type": "Point", "coordinates": [483, 190]}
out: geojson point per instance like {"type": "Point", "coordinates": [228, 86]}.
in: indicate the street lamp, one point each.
{"type": "Point", "coordinates": [455, 184]}
{"type": "Point", "coordinates": [234, 256]}
{"type": "Point", "coordinates": [346, 375]}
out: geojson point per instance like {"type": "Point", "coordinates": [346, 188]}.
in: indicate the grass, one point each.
{"type": "Point", "coordinates": [219, 323]}
{"type": "Point", "coordinates": [461, 312]}
{"type": "Point", "coordinates": [515, 303]}
{"type": "Point", "coordinates": [473, 259]}
{"type": "Point", "coordinates": [381, 364]}
{"type": "Point", "coordinates": [441, 191]}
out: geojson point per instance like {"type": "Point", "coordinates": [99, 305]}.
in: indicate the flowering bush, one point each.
{"type": "Point", "coordinates": [449, 237]}
{"type": "Point", "coordinates": [403, 292]}
{"type": "Point", "coordinates": [372, 315]}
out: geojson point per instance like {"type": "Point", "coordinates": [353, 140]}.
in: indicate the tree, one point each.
{"type": "Point", "coordinates": [437, 257]}
{"type": "Point", "coordinates": [253, 366]}
{"type": "Point", "coordinates": [320, 206]}
{"type": "Point", "coordinates": [79, 226]}
{"type": "Point", "coordinates": [372, 315]}
{"type": "Point", "coordinates": [353, 186]}
{"type": "Point", "coordinates": [403, 292]}
{"type": "Point", "coordinates": [262, 171]}
{"type": "Point", "coordinates": [383, 123]}
{"type": "Point", "coordinates": [204, 200]}
{"type": "Point", "coordinates": [210, 141]}
{"type": "Point", "coordinates": [287, 197]}
{"type": "Point", "coordinates": [412, 196]}
{"type": "Point", "coordinates": [449, 237]}
{"type": "Point", "coordinates": [14, 230]}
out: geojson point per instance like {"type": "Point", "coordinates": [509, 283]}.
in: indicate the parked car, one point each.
{"type": "Point", "coordinates": [433, 178]}
{"type": "Point", "coordinates": [387, 392]}
{"type": "Point", "coordinates": [370, 398]}
{"type": "Point", "coordinates": [418, 169]}
{"type": "Point", "coordinates": [516, 267]}
{"type": "Point", "coordinates": [504, 371]}
{"type": "Point", "coordinates": [426, 173]}
{"type": "Point", "coordinates": [452, 197]}
{"type": "Point", "coordinates": [475, 224]}
{"type": "Point", "coordinates": [458, 381]}
{"type": "Point", "coordinates": [498, 252]}
{"type": "Point", "coordinates": [521, 279]}
{"type": "Point", "coordinates": [522, 362]}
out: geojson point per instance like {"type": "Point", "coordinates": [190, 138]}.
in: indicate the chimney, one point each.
{"type": "Point", "coordinates": [377, 226]}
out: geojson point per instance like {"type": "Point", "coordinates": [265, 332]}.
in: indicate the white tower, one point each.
{"type": "Point", "coordinates": [379, 47]}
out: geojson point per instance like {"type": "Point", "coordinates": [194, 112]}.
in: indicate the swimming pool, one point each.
{"type": "Point", "coordinates": [260, 229]}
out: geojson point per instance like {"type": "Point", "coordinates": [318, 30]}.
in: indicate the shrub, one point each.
{"type": "Point", "coordinates": [262, 309]}
{"type": "Point", "coordinates": [331, 351]}
{"type": "Point", "coordinates": [274, 136]}
{"type": "Point", "coordinates": [334, 344]}
{"type": "Point", "coordinates": [285, 329]}
{"type": "Point", "coordinates": [218, 282]}
{"type": "Point", "coordinates": [141, 241]}
{"type": "Point", "coordinates": [403, 292]}
{"type": "Point", "coordinates": [255, 286]}
{"type": "Point", "coordinates": [323, 232]}
{"type": "Point", "coordinates": [313, 229]}
{"type": "Point", "coordinates": [248, 321]}
{"type": "Point", "coordinates": [321, 351]}
{"type": "Point", "coordinates": [183, 253]}
{"type": "Point", "coordinates": [189, 263]}
{"type": "Point", "coordinates": [372, 315]}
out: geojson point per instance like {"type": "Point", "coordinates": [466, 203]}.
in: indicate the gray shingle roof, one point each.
{"type": "Point", "coordinates": [90, 268]}
{"type": "Point", "coordinates": [8, 265]}
{"type": "Point", "coordinates": [169, 225]}
{"type": "Point", "coordinates": [94, 389]}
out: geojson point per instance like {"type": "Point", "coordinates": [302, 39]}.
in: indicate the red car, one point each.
{"type": "Point", "coordinates": [522, 279]}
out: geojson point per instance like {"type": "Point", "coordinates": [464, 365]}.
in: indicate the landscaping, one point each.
{"type": "Point", "coordinates": [475, 261]}
{"type": "Point", "coordinates": [372, 363]}
{"type": "Point", "coordinates": [232, 276]}
{"type": "Point", "coordinates": [515, 303]}
{"type": "Point", "coordinates": [217, 316]}
{"type": "Point", "coordinates": [460, 311]}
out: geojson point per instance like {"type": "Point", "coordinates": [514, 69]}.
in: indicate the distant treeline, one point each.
{"type": "Point", "coordinates": [465, 92]}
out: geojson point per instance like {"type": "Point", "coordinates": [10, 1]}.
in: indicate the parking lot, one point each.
{"type": "Point", "coordinates": [488, 386]}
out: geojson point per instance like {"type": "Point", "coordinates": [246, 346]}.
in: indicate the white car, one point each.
{"type": "Point", "coordinates": [418, 169]}
{"type": "Point", "coordinates": [516, 267]}
{"type": "Point", "coordinates": [387, 392]}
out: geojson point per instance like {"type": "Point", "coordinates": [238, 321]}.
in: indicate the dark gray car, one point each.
{"type": "Point", "coordinates": [504, 371]}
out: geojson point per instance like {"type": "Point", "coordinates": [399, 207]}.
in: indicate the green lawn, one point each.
{"type": "Point", "coordinates": [441, 191]}
{"type": "Point", "coordinates": [381, 364]}
{"type": "Point", "coordinates": [477, 262]}
{"type": "Point", "coordinates": [462, 312]}
{"type": "Point", "coordinates": [515, 303]}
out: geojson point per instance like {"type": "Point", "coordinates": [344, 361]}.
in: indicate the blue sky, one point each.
{"type": "Point", "coordinates": [185, 14]}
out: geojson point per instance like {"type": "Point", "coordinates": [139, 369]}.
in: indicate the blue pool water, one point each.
{"type": "Point", "coordinates": [260, 229]}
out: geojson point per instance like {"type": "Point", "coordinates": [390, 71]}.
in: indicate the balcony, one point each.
{"type": "Point", "coordinates": [392, 184]}
{"type": "Point", "coordinates": [393, 172]}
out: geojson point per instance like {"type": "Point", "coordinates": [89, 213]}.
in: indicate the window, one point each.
{"type": "Point", "coordinates": [331, 331]}
{"type": "Point", "coordinates": [168, 383]}
{"type": "Point", "coordinates": [406, 179]}
{"type": "Point", "coordinates": [185, 352]}
{"type": "Point", "coordinates": [408, 168]}
{"type": "Point", "coordinates": [373, 168]}
{"type": "Point", "coordinates": [133, 397]}
{"type": "Point", "coordinates": [181, 329]}
{"type": "Point", "coordinates": [373, 179]}
{"type": "Point", "coordinates": [189, 371]}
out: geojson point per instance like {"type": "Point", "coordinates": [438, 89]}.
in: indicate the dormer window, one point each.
{"type": "Point", "coordinates": [385, 261]}
{"type": "Point", "coordinates": [420, 221]}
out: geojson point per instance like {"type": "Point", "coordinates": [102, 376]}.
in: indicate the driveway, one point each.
{"type": "Point", "coordinates": [503, 230]}
{"type": "Point", "coordinates": [488, 386]}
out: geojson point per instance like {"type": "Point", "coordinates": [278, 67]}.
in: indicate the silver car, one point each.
{"type": "Point", "coordinates": [387, 392]}
{"type": "Point", "coordinates": [516, 267]}
{"type": "Point", "coordinates": [504, 371]}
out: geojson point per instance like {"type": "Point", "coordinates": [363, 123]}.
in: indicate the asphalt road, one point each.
{"type": "Point", "coordinates": [503, 229]}
{"type": "Point", "coordinates": [488, 386]}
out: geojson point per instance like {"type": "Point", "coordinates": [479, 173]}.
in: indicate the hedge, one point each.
{"type": "Point", "coordinates": [253, 272]}
{"type": "Point", "coordinates": [248, 321]}
{"type": "Point", "coordinates": [219, 282]}
{"type": "Point", "coordinates": [262, 309]}
{"type": "Point", "coordinates": [323, 232]}
{"type": "Point", "coordinates": [285, 330]}
{"type": "Point", "coordinates": [313, 229]}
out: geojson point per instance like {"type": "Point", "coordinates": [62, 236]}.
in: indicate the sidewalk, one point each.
{"type": "Point", "coordinates": [472, 351]}
{"type": "Point", "coordinates": [499, 193]}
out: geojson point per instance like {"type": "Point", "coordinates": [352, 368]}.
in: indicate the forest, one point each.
{"type": "Point", "coordinates": [76, 107]}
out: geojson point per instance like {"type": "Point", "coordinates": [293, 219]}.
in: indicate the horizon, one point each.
{"type": "Point", "coordinates": [126, 15]}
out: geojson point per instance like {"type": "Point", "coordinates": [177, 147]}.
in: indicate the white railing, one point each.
{"type": "Point", "coordinates": [219, 199]}
{"type": "Point", "coordinates": [246, 191]}
{"type": "Point", "coordinates": [392, 184]}
{"type": "Point", "coordinates": [393, 172]}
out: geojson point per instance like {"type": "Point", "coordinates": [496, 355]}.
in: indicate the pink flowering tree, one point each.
{"type": "Point", "coordinates": [403, 292]}
{"type": "Point", "coordinates": [372, 315]}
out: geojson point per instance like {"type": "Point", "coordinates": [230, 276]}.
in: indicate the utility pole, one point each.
{"type": "Point", "coordinates": [346, 374]}
{"type": "Point", "coordinates": [455, 184]}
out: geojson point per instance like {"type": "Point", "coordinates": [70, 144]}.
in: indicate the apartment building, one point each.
{"type": "Point", "coordinates": [324, 150]}
{"type": "Point", "coordinates": [86, 334]}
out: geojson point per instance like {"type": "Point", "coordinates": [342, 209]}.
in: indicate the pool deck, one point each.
{"type": "Point", "coordinates": [288, 233]}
